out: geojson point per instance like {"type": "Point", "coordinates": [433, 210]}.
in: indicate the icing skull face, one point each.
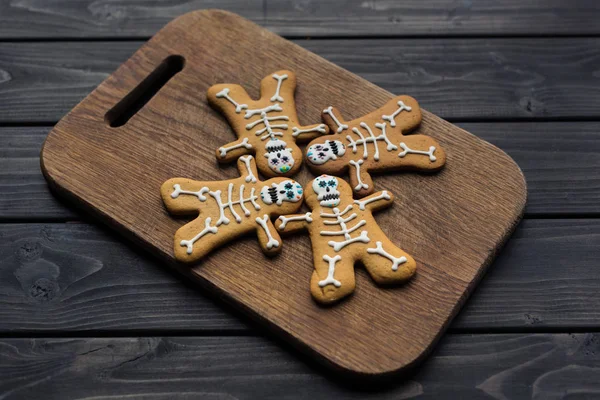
{"type": "Point", "coordinates": [326, 188]}
{"type": "Point", "coordinates": [321, 153]}
{"type": "Point", "coordinates": [277, 193]}
{"type": "Point", "coordinates": [280, 157]}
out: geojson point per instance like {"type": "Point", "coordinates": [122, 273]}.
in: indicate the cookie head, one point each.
{"type": "Point", "coordinates": [280, 158]}
{"type": "Point", "coordinates": [320, 153]}
{"type": "Point", "coordinates": [326, 188]}
{"type": "Point", "coordinates": [281, 191]}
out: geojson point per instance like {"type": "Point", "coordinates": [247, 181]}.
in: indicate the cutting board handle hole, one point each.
{"type": "Point", "coordinates": [144, 92]}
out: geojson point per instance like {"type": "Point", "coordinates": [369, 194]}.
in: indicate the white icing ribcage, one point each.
{"type": "Point", "coordinates": [371, 139]}
{"type": "Point", "coordinates": [344, 230]}
{"type": "Point", "coordinates": [224, 204]}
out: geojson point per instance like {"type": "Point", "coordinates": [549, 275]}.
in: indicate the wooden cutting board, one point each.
{"type": "Point", "coordinates": [453, 222]}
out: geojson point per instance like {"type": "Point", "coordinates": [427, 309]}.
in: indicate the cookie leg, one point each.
{"type": "Point", "coordinates": [360, 179]}
{"type": "Point", "coordinates": [333, 278]}
{"type": "Point", "coordinates": [387, 264]}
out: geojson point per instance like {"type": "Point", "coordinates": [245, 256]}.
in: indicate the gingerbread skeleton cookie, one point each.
{"type": "Point", "coordinates": [344, 232]}
{"type": "Point", "coordinates": [229, 209]}
{"type": "Point", "coordinates": [375, 142]}
{"type": "Point", "coordinates": [267, 127]}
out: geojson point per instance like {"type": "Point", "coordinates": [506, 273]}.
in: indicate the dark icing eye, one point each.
{"type": "Point", "coordinates": [331, 183]}
{"type": "Point", "coordinates": [288, 186]}
{"type": "Point", "coordinates": [322, 184]}
{"type": "Point", "coordinates": [318, 147]}
{"type": "Point", "coordinates": [285, 159]}
{"type": "Point", "coordinates": [274, 161]}
{"type": "Point", "coordinates": [290, 194]}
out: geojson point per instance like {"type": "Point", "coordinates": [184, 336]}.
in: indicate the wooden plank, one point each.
{"type": "Point", "coordinates": [92, 19]}
{"type": "Point", "coordinates": [562, 170]}
{"type": "Point", "coordinates": [79, 278]}
{"type": "Point", "coordinates": [509, 366]}
{"type": "Point", "coordinates": [457, 79]}
{"type": "Point", "coordinates": [24, 193]}
{"type": "Point", "coordinates": [453, 227]}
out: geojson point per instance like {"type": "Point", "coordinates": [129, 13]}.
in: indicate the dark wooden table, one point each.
{"type": "Point", "coordinates": [83, 314]}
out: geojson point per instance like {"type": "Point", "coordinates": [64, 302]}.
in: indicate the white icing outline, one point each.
{"type": "Point", "coordinates": [263, 223]}
{"type": "Point", "coordinates": [371, 139]}
{"type": "Point", "coordinates": [408, 150]}
{"type": "Point", "coordinates": [207, 229]}
{"type": "Point", "coordinates": [199, 194]}
{"type": "Point", "coordinates": [284, 220]}
{"type": "Point", "coordinates": [280, 79]}
{"type": "Point", "coordinates": [392, 118]}
{"type": "Point", "coordinates": [297, 131]}
{"type": "Point", "coordinates": [361, 184]}
{"type": "Point", "coordinates": [225, 94]}
{"type": "Point", "coordinates": [344, 230]}
{"type": "Point", "coordinates": [224, 150]}
{"type": "Point", "coordinates": [361, 204]}
{"type": "Point", "coordinates": [330, 280]}
{"type": "Point", "coordinates": [251, 177]}
{"type": "Point", "coordinates": [396, 261]}
{"type": "Point", "coordinates": [341, 127]}
{"type": "Point", "coordinates": [230, 203]}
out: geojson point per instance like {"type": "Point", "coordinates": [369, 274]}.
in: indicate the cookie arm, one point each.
{"type": "Point", "coordinates": [310, 132]}
{"type": "Point", "coordinates": [332, 117]}
{"type": "Point", "coordinates": [376, 201]}
{"type": "Point", "coordinates": [293, 222]}
{"type": "Point", "coordinates": [183, 196]}
{"type": "Point", "coordinates": [233, 150]}
{"type": "Point", "coordinates": [268, 237]}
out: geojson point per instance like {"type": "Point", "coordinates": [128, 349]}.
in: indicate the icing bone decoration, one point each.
{"type": "Point", "coordinates": [375, 142]}
{"type": "Point", "coordinates": [228, 209]}
{"type": "Point", "coordinates": [343, 232]}
{"type": "Point", "coordinates": [267, 127]}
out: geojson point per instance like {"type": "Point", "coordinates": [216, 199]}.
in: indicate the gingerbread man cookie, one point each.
{"type": "Point", "coordinates": [267, 127]}
{"type": "Point", "coordinates": [375, 142]}
{"type": "Point", "coordinates": [229, 209]}
{"type": "Point", "coordinates": [344, 232]}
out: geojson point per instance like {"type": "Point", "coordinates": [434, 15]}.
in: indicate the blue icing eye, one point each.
{"type": "Point", "coordinates": [288, 185]}
{"type": "Point", "coordinates": [322, 184]}
{"type": "Point", "coordinates": [331, 183]}
{"type": "Point", "coordinates": [290, 194]}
